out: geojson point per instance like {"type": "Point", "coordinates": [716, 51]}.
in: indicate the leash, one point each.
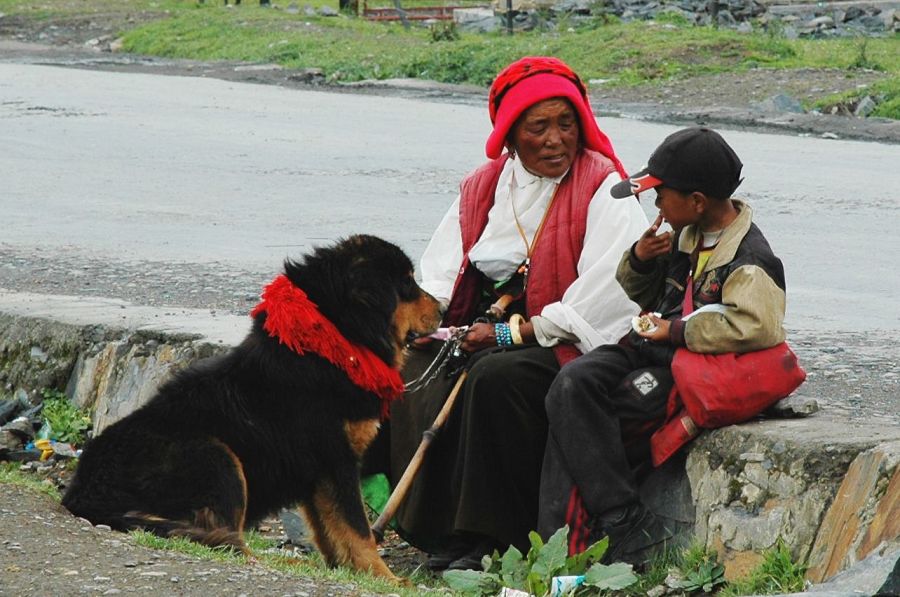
{"type": "Point", "coordinates": [451, 349]}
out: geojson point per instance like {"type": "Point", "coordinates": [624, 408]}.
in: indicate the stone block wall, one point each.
{"type": "Point", "coordinates": [107, 371]}
{"type": "Point", "coordinates": [829, 494]}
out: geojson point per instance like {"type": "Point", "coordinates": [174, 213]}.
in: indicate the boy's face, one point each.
{"type": "Point", "coordinates": [677, 208]}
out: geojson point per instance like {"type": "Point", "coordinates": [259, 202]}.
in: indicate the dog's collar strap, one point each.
{"type": "Point", "coordinates": [297, 323]}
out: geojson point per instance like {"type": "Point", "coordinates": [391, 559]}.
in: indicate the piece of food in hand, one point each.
{"type": "Point", "coordinates": [643, 323]}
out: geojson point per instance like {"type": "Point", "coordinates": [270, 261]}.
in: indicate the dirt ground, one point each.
{"type": "Point", "coordinates": [44, 550]}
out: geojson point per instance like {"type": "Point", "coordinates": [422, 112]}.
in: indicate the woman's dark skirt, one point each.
{"type": "Point", "coordinates": [482, 472]}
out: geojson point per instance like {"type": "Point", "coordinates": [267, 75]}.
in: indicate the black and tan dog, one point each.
{"type": "Point", "coordinates": [280, 420]}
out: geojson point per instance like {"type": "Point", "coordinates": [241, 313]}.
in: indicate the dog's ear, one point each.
{"type": "Point", "coordinates": [370, 305]}
{"type": "Point", "coordinates": [351, 290]}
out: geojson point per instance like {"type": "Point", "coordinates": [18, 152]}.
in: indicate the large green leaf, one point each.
{"type": "Point", "coordinates": [613, 577]}
{"type": "Point", "coordinates": [513, 569]}
{"type": "Point", "coordinates": [578, 563]}
{"type": "Point", "coordinates": [551, 559]}
{"type": "Point", "coordinates": [472, 582]}
{"type": "Point", "coordinates": [536, 584]}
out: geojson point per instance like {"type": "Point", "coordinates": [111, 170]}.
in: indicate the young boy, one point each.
{"type": "Point", "coordinates": [604, 406]}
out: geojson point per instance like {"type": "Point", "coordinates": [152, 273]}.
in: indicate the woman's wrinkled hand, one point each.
{"type": "Point", "coordinates": [479, 337]}
{"type": "Point", "coordinates": [650, 246]}
{"type": "Point", "coordinates": [661, 333]}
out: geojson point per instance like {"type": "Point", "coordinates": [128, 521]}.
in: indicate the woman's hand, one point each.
{"type": "Point", "coordinates": [661, 333]}
{"type": "Point", "coordinates": [650, 245]}
{"type": "Point", "coordinates": [479, 337]}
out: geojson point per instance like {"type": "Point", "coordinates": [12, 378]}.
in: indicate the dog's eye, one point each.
{"type": "Point", "coordinates": [408, 289]}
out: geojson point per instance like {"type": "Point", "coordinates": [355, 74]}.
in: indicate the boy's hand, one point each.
{"type": "Point", "coordinates": [650, 245]}
{"type": "Point", "coordinates": [661, 333]}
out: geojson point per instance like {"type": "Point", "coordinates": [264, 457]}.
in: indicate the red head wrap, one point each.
{"type": "Point", "coordinates": [533, 79]}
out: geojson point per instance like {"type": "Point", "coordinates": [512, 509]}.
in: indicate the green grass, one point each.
{"type": "Point", "coordinates": [777, 573]}
{"type": "Point", "coordinates": [10, 473]}
{"type": "Point", "coordinates": [350, 49]}
{"type": "Point", "coordinates": [264, 552]}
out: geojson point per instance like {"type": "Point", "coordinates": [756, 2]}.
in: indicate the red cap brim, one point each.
{"type": "Point", "coordinates": [638, 183]}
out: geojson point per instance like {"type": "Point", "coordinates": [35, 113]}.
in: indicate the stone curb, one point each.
{"type": "Point", "coordinates": [828, 487]}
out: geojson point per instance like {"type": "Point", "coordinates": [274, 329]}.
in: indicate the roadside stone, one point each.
{"type": "Point", "coordinates": [780, 102]}
{"type": "Point", "coordinates": [794, 406]}
{"type": "Point", "coordinates": [865, 107]}
{"type": "Point", "coordinates": [312, 76]}
{"type": "Point", "coordinates": [327, 11]}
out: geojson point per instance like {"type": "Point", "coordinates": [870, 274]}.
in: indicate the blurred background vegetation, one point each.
{"type": "Point", "coordinates": [348, 48]}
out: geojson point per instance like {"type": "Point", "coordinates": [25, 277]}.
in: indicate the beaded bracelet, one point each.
{"type": "Point", "coordinates": [504, 336]}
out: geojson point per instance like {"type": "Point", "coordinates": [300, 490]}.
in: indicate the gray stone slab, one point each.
{"type": "Point", "coordinates": [206, 326]}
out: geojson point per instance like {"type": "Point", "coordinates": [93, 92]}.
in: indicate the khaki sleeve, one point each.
{"type": "Point", "coordinates": [750, 317]}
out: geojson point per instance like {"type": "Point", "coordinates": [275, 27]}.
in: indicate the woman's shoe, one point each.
{"type": "Point", "coordinates": [455, 549]}
{"type": "Point", "coordinates": [471, 560]}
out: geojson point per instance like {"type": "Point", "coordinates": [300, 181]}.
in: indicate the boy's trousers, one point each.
{"type": "Point", "coordinates": [602, 409]}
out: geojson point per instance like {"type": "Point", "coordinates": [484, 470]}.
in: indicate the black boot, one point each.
{"type": "Point", "coordinates": [636, 535]}
{"type": "Point", "coordinates": [455, 549]}
{"type": "Point", "coordinates": [479, 547]}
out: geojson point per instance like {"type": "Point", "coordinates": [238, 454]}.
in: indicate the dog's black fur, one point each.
{"type": "Point", "coordinates": [232, 439]}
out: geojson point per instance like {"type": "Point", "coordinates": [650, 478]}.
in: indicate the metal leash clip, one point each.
{"type": "Point", "coordinates": [452, 348]}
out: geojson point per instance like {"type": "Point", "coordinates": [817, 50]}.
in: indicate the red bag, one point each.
{"type": "Point", "coordinates": [714, 390]}
{"type": "Point", "coordinates": [724, 389]}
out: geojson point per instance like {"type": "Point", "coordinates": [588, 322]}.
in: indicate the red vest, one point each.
{"type": "Point", "coordinates": [555, 259]}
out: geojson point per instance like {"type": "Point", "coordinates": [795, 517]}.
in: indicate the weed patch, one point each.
{"type": "Point", "coordinates": [10, 473]}
{"type": "Point", "coordinates": [66, 422]}
{"type": "Point", "coordinates": [777, 573]}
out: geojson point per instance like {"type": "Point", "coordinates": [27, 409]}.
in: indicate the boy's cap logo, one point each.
{"type": "Point", "coordinates": [642, 183]}
{"type": "Point", "coordinates": [633, 185]}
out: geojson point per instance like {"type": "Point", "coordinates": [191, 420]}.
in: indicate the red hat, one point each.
{"type": "Point", "coordinates": [533, 79]}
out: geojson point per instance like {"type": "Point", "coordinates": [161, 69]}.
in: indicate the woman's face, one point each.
{"type": "Point", "coordinates": [546, 137]}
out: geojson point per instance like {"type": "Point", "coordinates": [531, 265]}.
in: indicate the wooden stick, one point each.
{"type": "Point", "coordinates": [412, 469]}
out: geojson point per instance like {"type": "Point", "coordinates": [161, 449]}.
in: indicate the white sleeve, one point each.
{"type": "Point", "coordinates": [442, 258]}
{"type": "Point", "coordinates": [594, 308]}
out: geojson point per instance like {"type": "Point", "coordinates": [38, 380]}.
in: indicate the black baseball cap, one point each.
{"type": "Point", "coordinates": [692, 159]}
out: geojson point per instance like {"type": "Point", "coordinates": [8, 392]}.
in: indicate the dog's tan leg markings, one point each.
{"type": "Point", "coordinates": [320, 537]}
{"type": "Point", "coordinates": [240, 513]}
{"type": "Point", "coordinates": [339, 543]}
{"type": "Point", "coordinates": [360, 434]}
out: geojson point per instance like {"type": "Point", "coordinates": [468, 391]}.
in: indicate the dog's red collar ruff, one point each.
{"type": "Point", "coordinates": [297, 322]}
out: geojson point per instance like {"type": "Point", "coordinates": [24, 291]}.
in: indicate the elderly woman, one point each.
{"type": "Point", "coordinates": [536, 224]}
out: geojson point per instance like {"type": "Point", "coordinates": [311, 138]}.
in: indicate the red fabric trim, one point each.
{"type": "Point", "coordinates": [576, 518]}
{"type": "Point", "coordinates": [298, 324]}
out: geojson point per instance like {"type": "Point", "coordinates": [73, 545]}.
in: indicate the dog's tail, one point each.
{"type": "Point", "coordinates": [206, 528]}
